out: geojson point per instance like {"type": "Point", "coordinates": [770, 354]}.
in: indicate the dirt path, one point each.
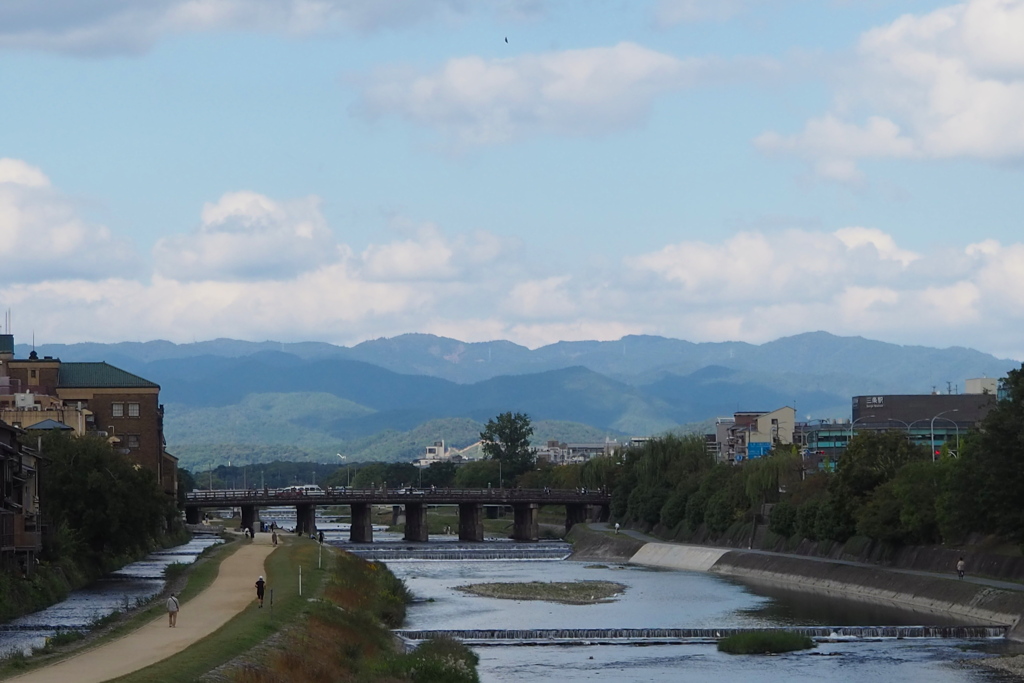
{"type": "Point", "coordinates": [230, 593]}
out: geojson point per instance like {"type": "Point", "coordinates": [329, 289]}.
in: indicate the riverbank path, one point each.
{"type": "Point", "coordinates": [230, 593]}
{"type": "Point", "coordinates": [980, 580]}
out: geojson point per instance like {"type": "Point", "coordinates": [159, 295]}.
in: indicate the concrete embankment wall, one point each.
{"type": "Point", "coordinates": [670, 556]}
{"type": "Point", "coordinates": [593, 545]}
{"type": "Point", "coordinates": [976, 604]}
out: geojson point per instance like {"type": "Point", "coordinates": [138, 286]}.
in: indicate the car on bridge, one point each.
{"type": "Point", "coordinates": [302, 490]}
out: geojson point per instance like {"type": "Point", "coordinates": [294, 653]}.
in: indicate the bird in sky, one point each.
{"type": "Point", "coordinates": [506, 39]}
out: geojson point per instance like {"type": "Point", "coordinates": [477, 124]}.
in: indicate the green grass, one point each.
{"type": "Point", "coordinates": [764, 643]}
{"type": "Point", "coordinates": [250, 627]}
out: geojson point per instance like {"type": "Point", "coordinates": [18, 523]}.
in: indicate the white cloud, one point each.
{"type": "Point", "coordinates": [248, 236]}
{"type": "Point", "coordinates": [43, 238]}
{"type": "Point", "coordinates": [119, 26]}
{"type": "Point", "coordinates": [427, 254]}
{"type": "Point", "coordinates": [672, 12]}
{"type": "Point", "coordinates": [259, 268]}
{"type": "Point", "coordinates": [945, 84]}
{"type": "Point", "coordinates": [474, 101]}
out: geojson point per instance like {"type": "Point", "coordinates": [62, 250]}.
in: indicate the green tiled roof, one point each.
{"type": "Point", "coordinates": [99, 376]}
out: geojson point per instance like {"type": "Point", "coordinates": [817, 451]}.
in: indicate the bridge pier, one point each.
{"type": "Point", "coordinates": [524, 527]}
{"type": "Point", "coordinates": [305, 518]}
{"type": "Point", "coordinates": [361, 530]}
{"type": "Point", "coordinates": [603, 513]}
{"type": "Point", "coordinates": [575, 513]}
{"type": "Point", "coordinates": [471, 522]}
{"type": "Point", "coordinates": [192, 515]}
{"type": "Point", "coordinates": [397, 515]}
{"type": "Point", "coordinates": [249, 518]}
{"type": "Point", "coordinates": [416, 522]}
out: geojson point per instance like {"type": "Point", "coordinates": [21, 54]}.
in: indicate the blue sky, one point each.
{"type": "Point", "coordinates": [338, 170]}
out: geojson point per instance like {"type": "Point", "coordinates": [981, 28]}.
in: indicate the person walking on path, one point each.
{"type": "Point", "coordinates": [172, 611]}
{"type": "Point", "coordinates": [260, 586]}
{"type": "Point", "coordinates": [273, 537]}
{"type": "Point", "coordinates": [960, 567]}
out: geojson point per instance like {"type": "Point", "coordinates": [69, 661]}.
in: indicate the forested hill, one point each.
{"type": "Point", "coordinates": [388, 398]}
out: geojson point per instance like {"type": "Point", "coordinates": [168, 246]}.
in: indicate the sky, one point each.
{"type": "Point", "coordinates": [530, 170]}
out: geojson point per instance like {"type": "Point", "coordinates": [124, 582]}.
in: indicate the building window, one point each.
{"type": "Point", "coordinates": [32, 374]}
{"type": "Point", "coordinates": [117, 409]}
{"type": "Point", "coordinates": [133, 410]}
{"type": "Point", "coordinates": [133, 440]}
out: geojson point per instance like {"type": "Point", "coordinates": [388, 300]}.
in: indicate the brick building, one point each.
{"type": "Point", "coordinates": [90, 398]}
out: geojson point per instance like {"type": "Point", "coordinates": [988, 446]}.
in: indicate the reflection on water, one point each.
{"type": "Point", "coordinates": [121, 590]}
{"type": "Point", "coordinates": [675, 599]}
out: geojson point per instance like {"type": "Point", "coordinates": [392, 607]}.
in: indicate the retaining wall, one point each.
{"type": "Point", "coordinates": [976, 604]}
{"type": "Point", "coordinates": [671, 556]}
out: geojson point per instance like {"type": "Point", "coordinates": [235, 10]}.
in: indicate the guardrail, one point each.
{"type": "Point", "coordinates": [432, 496]}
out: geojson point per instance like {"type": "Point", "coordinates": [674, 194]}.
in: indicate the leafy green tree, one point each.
{"type": "Point", "coordinates": [506, 438]}
{"type": "Point", "coordinates": [783, 519]}
{"type": "Point", "coordinates": [870, 460]}
{"type": "Point", "coordinates": [477, 475]}
{"type": "Point", "coordinates": [440, 474]}
{"type": "Point", "coordinates": [105, 501]}
{"type": "Point", "coordinates": [991, 477]}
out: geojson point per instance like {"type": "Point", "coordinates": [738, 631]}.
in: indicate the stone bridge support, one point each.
{"type": "Point", "coordinates": [305, 518]}
{"type": "Point", "coordinates": [575, 513]}
{"type": "Point", "coordinates": [249, 518]}
{"type": "Point", "coordinates": [416, 522]}
{"type": "Point", "coordinates": [192, 515]}
{"type": "Point", "coordinates": [471, 522]}
{"type": "Point", "coordinates": [397, 515]}
{"type": "Point", "coordinates": [361, 530]}
{"type": "Point", "coordinates": [602, 513]}
{"type": "Point", "coordinates": [524, 527]}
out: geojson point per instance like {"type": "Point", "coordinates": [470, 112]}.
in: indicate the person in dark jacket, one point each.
{"type": "Point", "coordinates": [260, 586]}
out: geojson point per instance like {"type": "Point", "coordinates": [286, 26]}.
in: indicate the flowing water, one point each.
{"type": "Point", "coordinates": [659, 599]}
{"type": "Point", "coordinates": [129, 586]}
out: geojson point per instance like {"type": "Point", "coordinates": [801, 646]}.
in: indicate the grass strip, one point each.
{"type": "Point", "coordinates": [764, 643]}
{"type": "Point", "coordinates": [250, 627]}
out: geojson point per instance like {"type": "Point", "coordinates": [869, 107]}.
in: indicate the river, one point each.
{"type": "Point", "coordinates": [129, 586]}
{"type": "Point", "coordinates": [676, 599]}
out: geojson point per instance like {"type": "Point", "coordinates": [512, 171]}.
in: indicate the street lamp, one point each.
{"type": "Point", "coordinates": [348, 480]}
{"type": "Point", "coordinates": [907, 425]}
{"type": "Point", "coordinates": [954, 410]}
{"type": "Point", "coordinates": [862, 417]}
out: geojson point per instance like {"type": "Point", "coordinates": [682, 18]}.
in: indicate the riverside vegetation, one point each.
{"type": "Point", "coordinates": [764, 643]}
{"type": "Point", "coordinates": [103, 512]}
{"type": "Point", "coordinates": [567, 593]}
{"type": "Point", "coordinates": [345, 637]}
{"type": "Point", "coordinates": [885, 491]}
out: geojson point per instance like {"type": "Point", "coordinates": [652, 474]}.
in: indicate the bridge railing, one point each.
{"type": "Point", "coordinates": [269, 496]}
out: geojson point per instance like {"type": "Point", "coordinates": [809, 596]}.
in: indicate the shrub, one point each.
{"type": "Point", "coordinates": [764, 643]}
{"type": "Point", "coordinates": [783, 520]}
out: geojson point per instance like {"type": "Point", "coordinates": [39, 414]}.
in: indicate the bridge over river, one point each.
{"type": "Point", "coordinates": [580, 506]}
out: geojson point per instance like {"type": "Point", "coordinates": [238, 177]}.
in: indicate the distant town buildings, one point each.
{"type": "Point", "coordinates": [933, 420]}
{"type": "Point", "coordinates": [87, 398]}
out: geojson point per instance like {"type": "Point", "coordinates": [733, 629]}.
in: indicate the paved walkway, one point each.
{"type": "Point", "coordinates": [993, 583]}
{"type": "Point", "coordinates": [231, 592]}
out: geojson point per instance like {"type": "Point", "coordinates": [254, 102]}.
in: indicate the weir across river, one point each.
{"type": "Point", "coordinates": [580, 506]}
{"type": "Point", "coordinates": [672, 636]}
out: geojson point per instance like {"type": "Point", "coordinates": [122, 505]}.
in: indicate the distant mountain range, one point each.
{"type": "Point", "coordinates": [249, 401]}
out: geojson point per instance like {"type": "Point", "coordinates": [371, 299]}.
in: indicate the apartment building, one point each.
{"type": "Point", "coordinates": [90, 398]}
